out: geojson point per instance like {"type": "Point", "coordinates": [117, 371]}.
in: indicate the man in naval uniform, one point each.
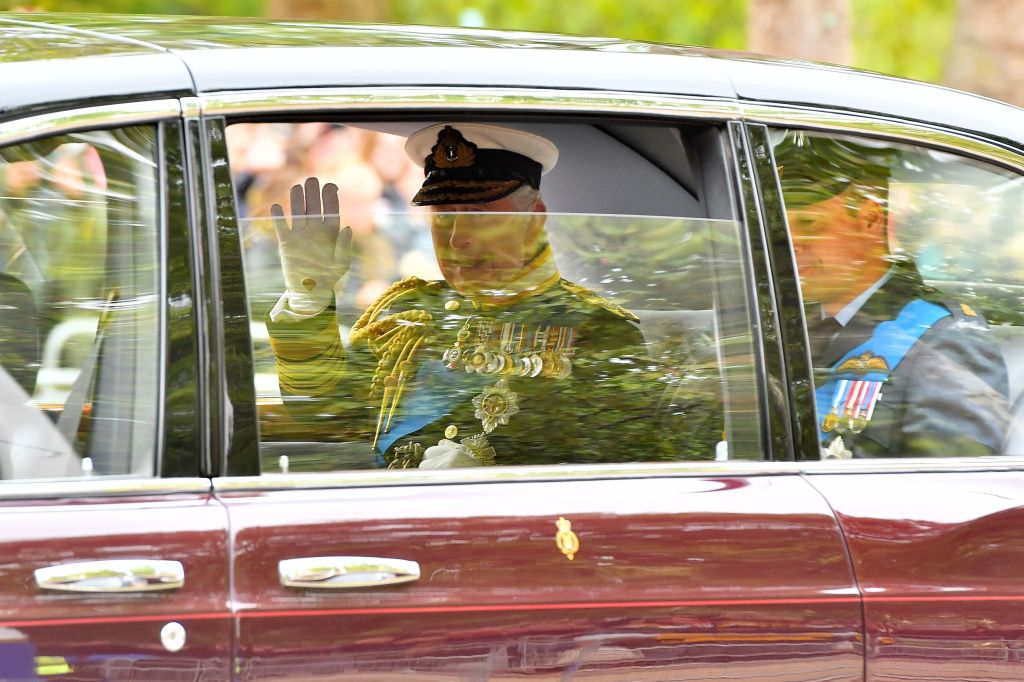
{"type": "Point", "coordinates": [502, 362]}
{"type": "Point", "coordinates": [900, 370]}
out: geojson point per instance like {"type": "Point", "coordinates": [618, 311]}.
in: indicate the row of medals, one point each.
{"type": "Point", "coordinates": [844, 423]}
{"type": "Point", "coordinates": [554, 362]}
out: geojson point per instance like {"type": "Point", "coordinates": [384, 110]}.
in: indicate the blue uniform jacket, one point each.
{"type": "Point", "coordinates": [947, 396]}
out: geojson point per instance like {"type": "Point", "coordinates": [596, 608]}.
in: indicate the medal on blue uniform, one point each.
{"type": "Point", "coordinates": [857, 399]}
{"type": "Point", "coordinates": [846, 401]}
{"type": "Point", "coordinates": [832, 418]}
{"type": "Point", "coordinates": [869, 394]}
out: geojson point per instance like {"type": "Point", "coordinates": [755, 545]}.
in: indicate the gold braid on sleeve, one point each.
{"type": "Point", "coordinates": [394, 339]}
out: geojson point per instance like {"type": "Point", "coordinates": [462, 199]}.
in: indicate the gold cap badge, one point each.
{"type": "Point", "coordinates": [453, 150]}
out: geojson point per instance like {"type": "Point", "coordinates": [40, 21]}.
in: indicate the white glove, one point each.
{"type": "Point", "coordinates": [315, 253]}
{"type": "Point", "coordinates": [836, 450]}
{"type": "Point", "coordinates": [448, 454]}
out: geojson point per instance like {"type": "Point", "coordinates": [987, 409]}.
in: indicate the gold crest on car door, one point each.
{"type": "Point", "coordinates": [566, 539]}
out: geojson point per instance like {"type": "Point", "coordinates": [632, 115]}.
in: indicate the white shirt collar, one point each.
{"type": "Point", "coordinates": [844, 316]}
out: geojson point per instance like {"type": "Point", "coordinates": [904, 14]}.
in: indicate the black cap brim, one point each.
{"type": "Point", "coordinates": [449, 190]}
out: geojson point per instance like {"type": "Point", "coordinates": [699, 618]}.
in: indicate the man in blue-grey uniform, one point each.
{"type": "Point", "coordinates": [501, 362]}
{"type": "Point", "coordinates": [900, 369]}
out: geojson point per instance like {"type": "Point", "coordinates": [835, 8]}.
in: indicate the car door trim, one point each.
{"type": "Point", "coordinates": [107, 486]}
{"type": "Point", "coordinates": [885, 128]}
{"type": "Point", "coordinates": [561, 606]}
{"type": "Point", "coordinates": [91, 118]}
{"type": "Point", "coordinates": [577, 472]}
{"type": "Point", "coordinates": [682, 603]}
{"type": "Point", "coordinates": [328, 99]}
{"type": "Point", "coordinates": [180, 434]}
{"type": "Point", "coordinates": [777, 436]}
{"type": "Point", "coordinates": [233, 103]}
{"type": "Point", "coordinates": [467, 98]}
{"type": "Point", "coordinates": [795, 372]}
{"type": "Point", "coordinates": [234, 434]}
{"type": "Point", "coordinates": [119, 620]}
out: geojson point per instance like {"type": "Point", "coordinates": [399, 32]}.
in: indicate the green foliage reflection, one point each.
{"type": "Point", "coordinates": [909, 38]}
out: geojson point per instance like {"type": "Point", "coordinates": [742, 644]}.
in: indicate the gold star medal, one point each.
{"type": "Point", "coordinates": [496, 405]}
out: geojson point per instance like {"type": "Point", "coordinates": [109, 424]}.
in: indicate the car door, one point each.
{"type": "Point", "coordinates": [709, 562]}
{"type": "Point", "coordinates": [935, 543]}
{"type": "Point", "coordinates": [115, 550]}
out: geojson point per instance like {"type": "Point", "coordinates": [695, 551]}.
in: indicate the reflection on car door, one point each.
{"type": "Point", "coordinates": [935, 544]}
{"type": "Point", "coordinates": [108, 571]}
{"type": "Point", "coordinates": [79, 623]}
{"type": "Point", "coordinates": [938, 556]}
{"type": "Point", "coordinates": [691, 577]}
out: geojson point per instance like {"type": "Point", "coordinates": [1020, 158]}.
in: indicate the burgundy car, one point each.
{"type": "Point", "coordinates": [671, 480]}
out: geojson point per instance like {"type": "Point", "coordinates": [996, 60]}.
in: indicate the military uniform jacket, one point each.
{"type": "Point", "coordinates": [558, 376]}
{"type": "Point", "coordinates": [947, 396]}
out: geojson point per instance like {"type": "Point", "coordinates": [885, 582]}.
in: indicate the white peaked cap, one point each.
{"type": "Point", "coordinates": [540, 149]}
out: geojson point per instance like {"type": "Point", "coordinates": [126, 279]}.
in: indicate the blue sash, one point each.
{"type": "Point", "coordinates": [890, 342]}
{"type": "Point", "coordinates": [433, 393]}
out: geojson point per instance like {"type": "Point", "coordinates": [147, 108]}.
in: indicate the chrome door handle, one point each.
{"type": "Point", "coordinates": [115, 575]}
{"type": "Point", "coordinates": [346, 572]}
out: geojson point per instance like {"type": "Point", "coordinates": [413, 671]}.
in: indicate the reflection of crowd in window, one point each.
{"type": "Point", "coordinates": [51, 222]}
{"type": "Point", "coordinates": [53, 227]}
{"type": "Point", "coordinates": [376, 181]}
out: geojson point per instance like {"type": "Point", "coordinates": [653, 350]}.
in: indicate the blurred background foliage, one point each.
{"type": "Point", "coordinates": [962, 43]}
{"type": "Point", "coordinates": [718, 24]}
{"type": "Point", "coordinates": [204, 7]}
{"type": "Point", "coordinates": [909, 38]}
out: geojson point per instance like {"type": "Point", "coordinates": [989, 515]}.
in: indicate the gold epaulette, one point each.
{"type": "Point", "coordinates": [361, 329]}
{"type": "Point", "coordinates": [395, 338]}
{"type": "Point", "coordinates": [591, 297]}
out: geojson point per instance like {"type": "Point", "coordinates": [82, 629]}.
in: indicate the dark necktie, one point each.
{"type": "Point", "coordinates": [820, 334]}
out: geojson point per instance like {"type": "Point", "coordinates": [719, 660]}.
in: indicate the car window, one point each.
{"type": "Point", "coordinates": [79, 321]}
{"type": "Point", "coordinates": [476, 319]}
{"type": "Point", "coordinates": [911, 266]}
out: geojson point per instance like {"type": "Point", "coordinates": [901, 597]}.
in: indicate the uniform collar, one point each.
{"type": "Point", "coordinates": [844, 316]}
{"type": "Point", "coordinates": [883, 302]}
{"type": "Point", "coordinates": [539, 275]}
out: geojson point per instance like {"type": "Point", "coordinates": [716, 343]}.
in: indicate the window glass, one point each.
{"type": "Point", "coordinates": [911, 266]}
{"type": "Point", "coordinates": [79, 321]}
{"type": "Point", "coordinates": [459, 315]}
